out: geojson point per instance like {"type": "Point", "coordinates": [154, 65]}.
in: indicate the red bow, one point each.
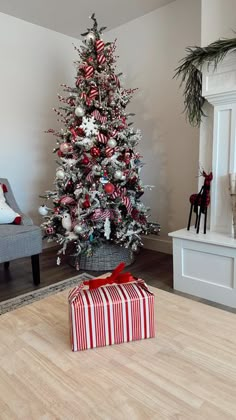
{"type": "Point", "coordinates": [115, 277]}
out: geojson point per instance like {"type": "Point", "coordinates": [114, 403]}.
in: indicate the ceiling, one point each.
{"type": "Point", "coordinates": [71, 17]}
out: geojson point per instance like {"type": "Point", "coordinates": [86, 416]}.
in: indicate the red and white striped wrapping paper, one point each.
{"type": "Point", "coordinates": [110, 314]}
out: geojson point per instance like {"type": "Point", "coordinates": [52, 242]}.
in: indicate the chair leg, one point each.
{"type": "Point", "coordinates": [190, 216]}
{"type": "Point", "coordinates": [6, 265]}
{"type": "Point", "coordinates": [35, 269]}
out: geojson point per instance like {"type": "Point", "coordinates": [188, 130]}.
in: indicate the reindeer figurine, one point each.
{"type": "Point", "coordinates": [200, 202]}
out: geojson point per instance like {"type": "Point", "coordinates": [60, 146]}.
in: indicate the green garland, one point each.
{"type": "Point", "coordinates": [190, 72]}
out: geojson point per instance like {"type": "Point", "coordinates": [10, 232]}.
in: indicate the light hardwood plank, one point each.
{"type": "Point", "coordinates": [187, 372]}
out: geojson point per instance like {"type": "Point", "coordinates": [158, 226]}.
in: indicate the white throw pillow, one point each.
{"type": "Point", "coordinates": [7, 215]}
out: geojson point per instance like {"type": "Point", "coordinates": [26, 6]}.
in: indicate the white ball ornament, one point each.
{"type": "Point", "coordinates": [79, 111]}
{"type": "Point", "coordinates": [112, 143]}
{"type": "Point", "coordinates": [78, 229]}
{"type": "Point", "coordinates": [90, 37]}
{"type": "Point", "coordinates": [43, 210]}
{"type": "Point", "coordinates": [65, 148]}
{"type": "Point", "coordinates": [118, 174]}
{"type": "Point", "coordinates": [60, 174]}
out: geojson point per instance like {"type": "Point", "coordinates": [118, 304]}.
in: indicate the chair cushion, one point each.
{"type": "Point", "coordinates": [17, 241]}
{"type": "Point", "coordinates": [7, 214]}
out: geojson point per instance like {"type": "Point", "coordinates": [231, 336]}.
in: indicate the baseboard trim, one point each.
{"type": "Point", "coordinates": [47, 245]}
{"type": "Point", "coordinates": [158, 244]}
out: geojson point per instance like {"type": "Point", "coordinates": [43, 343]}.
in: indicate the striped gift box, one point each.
{"type": "Point", "coordinates": [109, 314]}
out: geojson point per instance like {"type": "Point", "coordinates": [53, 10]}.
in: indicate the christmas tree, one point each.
{"type": "Point", "coordinates": [97, 185]}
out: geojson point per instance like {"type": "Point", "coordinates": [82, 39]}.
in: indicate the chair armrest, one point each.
{"type": "Point", "coordinates": [26, 220]}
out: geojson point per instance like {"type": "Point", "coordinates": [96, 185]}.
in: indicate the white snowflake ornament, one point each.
{"type": "Point", "coordinates": [89, 126]}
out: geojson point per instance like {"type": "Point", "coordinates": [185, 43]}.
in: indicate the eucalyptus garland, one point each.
{"type": "Point", "coordinates": [190, 72]}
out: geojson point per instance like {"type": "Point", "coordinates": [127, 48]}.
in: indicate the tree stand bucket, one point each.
{"type": "Point", "coordinates": [106, 257]}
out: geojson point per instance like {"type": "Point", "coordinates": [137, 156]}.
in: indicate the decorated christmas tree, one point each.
{"type": "Point", "coordinates": [97, 186]}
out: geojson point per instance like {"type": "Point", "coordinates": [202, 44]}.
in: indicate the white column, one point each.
{"type": "Point", "coordinates": [219, 88]}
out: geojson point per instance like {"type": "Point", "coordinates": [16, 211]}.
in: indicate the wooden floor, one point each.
{"type": "Point", "coordinates": [188, 372]}
{"type": "Point", "coordinates": [155, 267]}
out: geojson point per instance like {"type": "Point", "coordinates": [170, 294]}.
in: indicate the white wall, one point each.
{"type": "Point", "coordinates": [34, 62]}
{"type": "Point", "coordinates": [218, 20]}
{"type": "Point", "coordinates": [150, 48]}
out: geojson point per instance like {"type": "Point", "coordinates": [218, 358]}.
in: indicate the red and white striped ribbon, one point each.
{"type": "Point", "coordinates": [126, 201]}
{"type": "Point", "coordinates": [88, 71]}
{"type": "Point", "coordinates": [99, 45]}
{"type": "Point", "coordinates": [102, 138]}
{"type": "Point", "coordinates": [83, 95]}
{"type": "Point", "coordinates": [89, 177]}
{"type": "Point", "coordinates": [79, 80]}
{"type": "Point", "coordinates": [92, 162]}
{"type": "Point", "coordinates": [92, 94]}
{"type": "Point", "coordinates": [101, 59]}
{"type": "Point", "coordinates": [114, 132]}
{"type": "Point", "coordinates": [103, 119]}
{"type": "Point", "coordinates": [119, 192]}
{"type": "Point", "coordinates": [114, 78]}
{"type": "Point", "coordinates": [100, 214]}
{"type": "Point", "coordinates": [66, 200]}
{"type": "Point", "coordinates": [111, 150]}
{"type": "Point", "coordinates": [99, 117]}
{"type": "Point", "coordinates": [110, 315]}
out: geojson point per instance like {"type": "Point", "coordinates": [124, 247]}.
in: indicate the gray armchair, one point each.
{"type": "Point", "coordinates": [18, 241]}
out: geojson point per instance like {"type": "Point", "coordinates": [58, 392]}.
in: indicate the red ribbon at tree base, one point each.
{"type": "Point", "coordinates": [116, 277]}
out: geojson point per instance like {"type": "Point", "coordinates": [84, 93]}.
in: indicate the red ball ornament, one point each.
{"type": "Point", "coordinates": [86, 204]}
{"type": "Point", "coordinates": [69, 187]}
{"type": "Point", "coordinates": [109, 188]}
{"type": "Point", "coordinates": [95, 151]}
{"type": "Point", "coordinates": [49, 230]}
{"type": "Point", "coordinates": [85, 160]}
{"type": "Point", "coordinates": [60, 154]}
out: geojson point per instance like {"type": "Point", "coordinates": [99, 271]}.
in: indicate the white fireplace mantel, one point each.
{"type": "Point", "coordinates": [205, 265]}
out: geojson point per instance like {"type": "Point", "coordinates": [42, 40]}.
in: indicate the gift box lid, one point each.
{"type": "Point", "coordinates": [112, 289]}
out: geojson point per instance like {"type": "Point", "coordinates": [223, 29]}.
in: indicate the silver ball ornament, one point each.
{"type": "Point", "coordinates": [60, 174]}
{"type": "Point", "coordinates": [118, 174]}
{"type": "Point", "coordinates": [79, 111]}
{"type": "Point", "coordinates": [78, 229]}
{"type": "Point", "coordinates": [43, 210]}
{"type": "Point", "coordinates": [112, 143]}
{"type": "Point", "coordinates": [90, 37]}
